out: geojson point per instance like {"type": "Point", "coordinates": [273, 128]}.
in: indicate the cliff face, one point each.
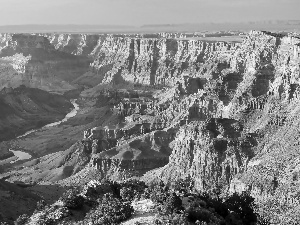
{"type": "Point", "coordinates": [33, 61]}
{"type": "Point", "coordinates": [240, 128]}
{"type": "Point", "coordinates": [208, 110]}
{"type": "Point", "coordinates": [151, 61]}
{"type": "Point", "coordinates": [221, 99]}
{"type": "Point", "coordinates": [58, 61]}
{"type": "Point", "coordinates": [209, 152]}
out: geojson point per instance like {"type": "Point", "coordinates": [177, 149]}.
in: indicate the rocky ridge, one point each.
{"type": "Point", "coordinates": [62, 59]}
{"type": "Point", "coordinates": [213, 119]}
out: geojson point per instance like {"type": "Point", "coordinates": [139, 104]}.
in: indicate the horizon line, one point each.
{"type": "Point", "coordinates": [154, 24]}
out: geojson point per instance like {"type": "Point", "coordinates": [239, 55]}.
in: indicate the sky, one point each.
{"type": "Point", "coordinates": [141, 12]}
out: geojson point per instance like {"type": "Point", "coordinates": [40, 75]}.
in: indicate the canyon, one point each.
{"type": "Point", "coordinates": [160, 107]}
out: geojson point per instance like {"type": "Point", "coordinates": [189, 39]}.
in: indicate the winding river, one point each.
{"type": "Point", "coordinates": [23, 155]}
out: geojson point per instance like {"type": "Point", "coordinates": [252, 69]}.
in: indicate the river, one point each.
{"type": "Point", "coordinates": [23, 155]}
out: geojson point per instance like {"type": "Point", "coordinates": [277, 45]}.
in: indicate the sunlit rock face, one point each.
{"type": "Point", "coordinates": [214, 111]}
{"type": "Point", "coordinates": [152, 61]}
{"type": "Point", "coordinates": [251, 95]}
{"type": "Point", "coordinates": [225, 100]}
{"type": "Point", "coordinates": [58, 61]}
{"type": "Point", "coordinates": [128, 148]}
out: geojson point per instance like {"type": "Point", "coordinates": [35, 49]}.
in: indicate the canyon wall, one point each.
{"type": "Point", "coordinates": [31, 60]}
{"type": "Point", "coordinates": [214, 111]}
{"type": "Point", "coordinates": [240, 129]}
{"type": "Point", "coordinates": [60, 61]}
{"type": "Point", "coordinates": [222, 99]}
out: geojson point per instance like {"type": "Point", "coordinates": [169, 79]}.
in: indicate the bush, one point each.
{"type": "Point", "coordinates": [72, 200]}
{"type": "Point", "coordinates": [127, 193]}
{"type": "Point", "coordinates": [50, 215]}
{"type": "Point", "coordinates": [114, 186]}
{"type": "Point", "coordinates": [243, 205]}
{"type": "Point", "coordinates": [263, 221]}
{"type": "Point", "coordinates": [40, 205]}
{"type": "Point", "coordinates": [172, 219]}
{"type": "Point", "coordinates": [179, 219]}
{"type": "Point", "coordinates": [22, 220]}
{"type": "Point", "coordinates": [158, 193]}
{"type": "Point", "coordinates": [94, 189]}
{"type": "Point", "coordinates": [200, 214]}
{"type": "Point", "coordinates": [183, 184]}
{"type": "Point", "coordinates": [132, 189]}
{"type": "Point", "coordinates": [173, 203]}
{"type": "Point", "coordinates": [110, 210]}
{"type": "Point", "coordinates": [219, 207]}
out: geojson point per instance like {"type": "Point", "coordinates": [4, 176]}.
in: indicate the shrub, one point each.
{"type": "Point", "coordinates": [110, 210]}
{"type": "Point", "coordinates": [263, 221]}
{"type": "Point", "coordinates": [219, 207]}
{"type": "Point", "coordinates": [127, 193]}
{"type": "Point", "coordinates": [114, 186]}
{"type": "Point", "coordinates": [72, 199]}
{"type": "Point", "coordinates": [173, 203]}
{"type": "Point", "coordinates": [132, 189]}
{"type": "Point", "coordinates": [243, 205]}
{"type": "Point", "coordinates": [183, 184]}
{"type": "Point", "coordinates": [172, 219]}
{"type": "Point", "coordinates": [200, 214]}
{"type": "Point", "coordinates": [158, 193]}
{"type": "Point", "coordinates": [179, 219]}
{"type": "Point", "coordinates": [50, 215]}
{"type": "Point", "coordinates": [158, 196]}
{"type": "Point", "coordinates": [94, 189]}
{"type": "Point", "coordinates": [40, 205]}
{"type": "Point", "coordinates": [22, 220]}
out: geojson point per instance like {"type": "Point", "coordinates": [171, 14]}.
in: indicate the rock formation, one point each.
{"type": "Point", "coordinates": [216, 112]}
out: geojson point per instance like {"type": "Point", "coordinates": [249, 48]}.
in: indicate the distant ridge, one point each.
{"type": "Point", "coordinates": [47, 28]}
{"type": "Point", "coordinates": [272, 25]}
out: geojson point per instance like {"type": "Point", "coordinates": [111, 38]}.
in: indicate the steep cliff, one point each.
{"type": "Point", "coordinates": [219, 113]}
{"type": "Point", "coordinates": [248, 109]}
{"type": "Point", "coordinates": [152, 61]}
{"type": "Point", "coordinates": [169, 107]}
{"type": "Point", "coordinates": [33, 61]}
{"type": "Point", "coordinates": [60, 62]}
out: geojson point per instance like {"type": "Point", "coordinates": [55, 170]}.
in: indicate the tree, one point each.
{"type": "Point", "coordinates": [110, 210]}
{"type": "Point", "coordinates": [243, 205]}
{"type": "Point", "coordinates": [72, 199]}
{"type": "Point", "coordinates": [127, 193]}
{"type": "Point", "coordinates": [173, 203]}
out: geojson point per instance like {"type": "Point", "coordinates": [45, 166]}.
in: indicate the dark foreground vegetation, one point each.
{"type": "Point", "coordinates": [110, 203]}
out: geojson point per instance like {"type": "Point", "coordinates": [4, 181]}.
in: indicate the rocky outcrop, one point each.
{"type": "Point", "coordinates": [37, 64]}
{"type": "Point", "coordinates": [117, 150]}
{"type": "Point", "coordinates": [60, 59]}
{"type": "Point", "coordinates": [54, 167]}
{"type": "Point", "coordinates": [209, 152]}
{"type": "Point", "coordinates": [115, 167]}
{"type": "Point", "coordinates": [153, 61]}
{"type": "Point", "coordinates": [232, 125]}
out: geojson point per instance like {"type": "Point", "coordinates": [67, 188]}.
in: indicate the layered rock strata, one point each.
{"type": "Point", "coordinates": [213, 110]}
